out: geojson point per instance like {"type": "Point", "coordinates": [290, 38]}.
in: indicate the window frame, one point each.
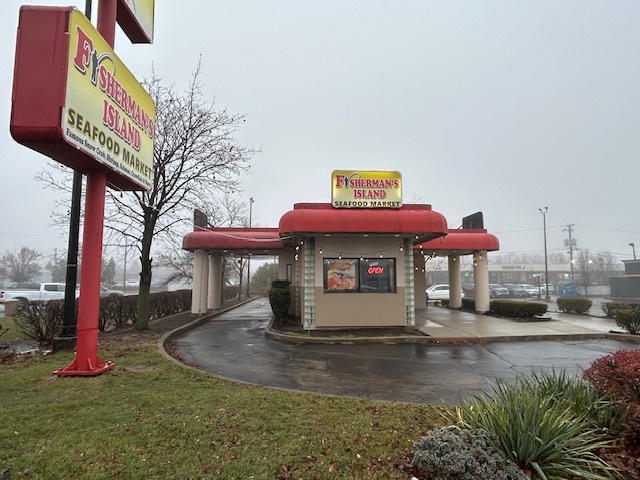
{"type": "Point", "coordinates": [333, 266]}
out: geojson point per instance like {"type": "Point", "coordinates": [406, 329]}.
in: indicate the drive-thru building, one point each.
{"type": "Point", "coordinates": [358, 261]}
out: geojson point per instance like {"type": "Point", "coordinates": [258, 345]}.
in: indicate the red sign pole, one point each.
{"type": "Point", "coordinates": [87, 362]}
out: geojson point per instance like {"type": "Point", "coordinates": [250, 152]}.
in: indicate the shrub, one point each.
{"type": "Point", "coordinates": [163, 304]}
{"type": "Point", "coordinates": [618, 376]}
{"type": "Point", "coordinates": [280, 298]}
{"type": "Point", "coordinates": [542, 435]}
{"type": "Point", "coordinates": [515, 309]}
{"type": "Point", "coordinates": [629, 320]}
{"type": "Point", "coordinates": [40, 321]}
{"type": "Point", "coordinates": [468, 304]}
{"type": "Point", "coordinates": [454, 454]}
{"type": "Point", "coordinates": [117, 312]}
{"type": "Point", "coordinates": [230, 291]}
{"type": "Point", "coordinates": [578, 306]}
{"type": "Point", "coordinates": [610, 308]}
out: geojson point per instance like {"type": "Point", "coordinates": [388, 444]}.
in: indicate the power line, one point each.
{"type": "Point", "coordinates": [608, 229]}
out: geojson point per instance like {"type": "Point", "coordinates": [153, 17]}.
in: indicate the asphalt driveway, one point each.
{"type": "Point", "coordinates": [234, 346]}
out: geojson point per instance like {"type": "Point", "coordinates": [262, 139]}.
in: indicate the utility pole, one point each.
{"type": "Point", "coordinates": [251, 200]}
{"type": "Point", "coordinates": [546, 263]}
{"type": "Point", "coordinates": [569, 229]}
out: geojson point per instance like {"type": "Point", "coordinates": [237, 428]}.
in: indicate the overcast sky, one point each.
{"type": "Point", "coordinates": [496, 106]}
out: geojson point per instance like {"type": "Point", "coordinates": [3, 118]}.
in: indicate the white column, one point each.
{"type": "Point", "coordinates": [481, 279]}
{"type": "Point", "coordinates": [455, 284]}
{"type": "Point", "coordinates": [196, 285]}
{"type": "Point", "coordinates": [204, 282]}
{"type": "Point", "coordinates": [215, 282]}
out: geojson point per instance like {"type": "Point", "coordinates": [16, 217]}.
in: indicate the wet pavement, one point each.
{"type": "Point", "coordinates": [233, 345]}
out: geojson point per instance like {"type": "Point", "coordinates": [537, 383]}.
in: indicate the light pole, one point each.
{"type": "Point", "coordinates": [249, 257]}
{"type": "Point", "coordinates": [546, 264]}
{"type": "Point", "coordinates": [633, 247]}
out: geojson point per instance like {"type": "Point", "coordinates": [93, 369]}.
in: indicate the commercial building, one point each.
{"type": "Point", "coordinates": [358, 261]}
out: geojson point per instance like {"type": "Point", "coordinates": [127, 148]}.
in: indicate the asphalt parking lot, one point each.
{"type": "Point", "coordinates": [234, 346]}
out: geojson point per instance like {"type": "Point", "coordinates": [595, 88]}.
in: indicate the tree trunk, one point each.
{"type": "Point", "coordinates": [142, 320]}
{"type": "Point", "coordinates": [240, 283]}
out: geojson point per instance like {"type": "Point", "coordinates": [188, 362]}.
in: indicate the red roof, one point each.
{"type": "Point", "coordinates": [425, 226]}
{"type": "Point", "coordinates": [321, 218]}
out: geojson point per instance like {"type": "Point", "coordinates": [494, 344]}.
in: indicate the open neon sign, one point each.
{"type": "Point", "coordinates": [375, 270]}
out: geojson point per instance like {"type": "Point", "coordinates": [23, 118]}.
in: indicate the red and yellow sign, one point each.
{"type": "Point", "coordinates": [107, 113]}
{"type": "Point", "coordinates": [366, 189]}
{"type": "Point", "coordinates": [76, 102]}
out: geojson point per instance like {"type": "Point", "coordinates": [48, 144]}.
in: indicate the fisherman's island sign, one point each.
{"type": "Point", "coordinates": [76, 102]}
{"type": "Point", "coordinates": [366, 189]}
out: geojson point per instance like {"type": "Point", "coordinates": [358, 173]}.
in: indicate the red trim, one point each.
{"type": "Point", "coordinates": [251, 239]}
{"type": "Point", "coordinates": [462, 242]}
{"type": "Point", "coordinates": [130, 25]}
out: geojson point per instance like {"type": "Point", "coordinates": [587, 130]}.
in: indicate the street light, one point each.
{"type": "Point", "coordinates": [546, 264]}
{"type": "Point", "coordinates": [633, 246]}
{"type": "Point", "coordinates": [249, 257]}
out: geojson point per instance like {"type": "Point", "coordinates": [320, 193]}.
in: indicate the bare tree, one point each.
{"type": "Point", "coordinates": [221, 212]}
{"type": "Point", "coordinates": [176, 264]}
{"type": "Point", "coordinates": [231, 212]}
{"type": "Point", "coordinates": [606, 265]}
{"type": "Point", "coordinates": [584, 261]}
{"type": "Point", "coordinates": [21, 265]}
{"type": "Point", "coordinates": [58, 267]}
{"type": "Point", "coordinates": [558, 258]}
{"type": "Point", "coordinates": [195, 153]}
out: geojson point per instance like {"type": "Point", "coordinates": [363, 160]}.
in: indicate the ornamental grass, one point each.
{"type": "Point", "coordinates": [548, 437]}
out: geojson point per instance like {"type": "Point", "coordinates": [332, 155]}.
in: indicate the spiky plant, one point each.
{"type": "Point", "coordinates": [545, 437]}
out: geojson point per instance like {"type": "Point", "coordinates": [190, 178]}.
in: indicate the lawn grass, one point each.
{"type": "Point", "coordinates": [151, 418]}
{"type": "Point", "coordinates": [9, 331]}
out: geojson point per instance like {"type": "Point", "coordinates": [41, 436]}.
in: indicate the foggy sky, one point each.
{"type": "Point", "coordinates": [495, 106]}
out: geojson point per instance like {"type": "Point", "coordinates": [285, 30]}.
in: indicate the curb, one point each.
{"type": "Point", "coordinates": [419, 340]}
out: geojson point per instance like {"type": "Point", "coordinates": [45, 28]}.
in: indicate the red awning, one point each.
{"type": "Point", "coordinates": [417, 221]}
{"type": "Point", "coordinates": [256, 240]}
{"type": "Point", "coordinates": [425, 227]}
{"type": "Point", "coordinates": [462, 242]}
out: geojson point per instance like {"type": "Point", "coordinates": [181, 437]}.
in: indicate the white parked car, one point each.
{"type": "Point", "coordinates": [532, 290]}
{"type": "Point", "coordinates": [439, 291]}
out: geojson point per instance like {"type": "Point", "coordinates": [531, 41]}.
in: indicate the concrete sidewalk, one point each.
{"type": "Point", "coordinates": [449, 326]}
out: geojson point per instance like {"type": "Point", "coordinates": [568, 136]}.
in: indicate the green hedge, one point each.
{"type": "Point", "coordinates": [610, 308]}
{"type": "Point", "coordinates": [516, 309]}
{"type": "Point", "coordinates": [509, 308]}
{"type": "Point", "coordinates": [280, 298]}
{"type": "Point", "coordinates": [42, 321]}
{"type": "Point", "coordinates": [629, 319]}
{"type": "Point", "coordinates": [578, 306]}
{"type": "Point", "coordinates": [469, 304]}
